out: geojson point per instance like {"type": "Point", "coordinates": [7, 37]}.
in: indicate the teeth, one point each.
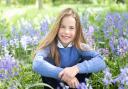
{"type": "Point", "coordinates": [65, 36]}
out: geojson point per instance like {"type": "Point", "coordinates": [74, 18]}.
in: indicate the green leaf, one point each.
{"type": "Point", "coordinates": [37, 85]}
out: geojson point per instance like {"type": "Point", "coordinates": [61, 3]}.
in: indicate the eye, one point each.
{"type": "Point", "coordinates": [72, 28]}
{"type": "Point", "coordinates": [62, 26]}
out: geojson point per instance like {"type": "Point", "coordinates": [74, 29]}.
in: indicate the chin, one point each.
{"type": "Point", "coordinates": [66, 42]}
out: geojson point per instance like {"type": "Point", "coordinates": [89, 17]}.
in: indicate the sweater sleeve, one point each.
{"type": "Point", "coordinates": [92, 62]}
{"type": "Point", "coordinates": [43, 67]}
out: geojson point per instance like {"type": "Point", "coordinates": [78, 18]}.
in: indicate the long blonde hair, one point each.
{"type": "Point", "coordinates": [51, 38]}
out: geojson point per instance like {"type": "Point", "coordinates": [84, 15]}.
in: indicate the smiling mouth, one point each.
{"type": "Point", "coordinates": [66, 37]}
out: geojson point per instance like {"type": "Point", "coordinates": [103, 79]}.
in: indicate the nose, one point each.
{"type": "Point", "coordinates": [67, 30]}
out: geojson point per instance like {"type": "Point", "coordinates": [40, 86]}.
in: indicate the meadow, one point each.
{"type": "Point", "coordinates": [22, 27]}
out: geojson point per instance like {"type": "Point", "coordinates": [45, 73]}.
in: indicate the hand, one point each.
{"type": "Point", "coordinates": [68, 73]}
{"type": "Point", "coordinates": [73, 83]}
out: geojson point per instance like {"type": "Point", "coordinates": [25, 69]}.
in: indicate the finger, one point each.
{"type": "Point", "coordinates": [76, 84]}
{"type": "Point", "coordinates": [70, 85]}
{"type": "Point", "coordinates": [65, 78]}
{"type": "Point", "coordinates": [73, 84]}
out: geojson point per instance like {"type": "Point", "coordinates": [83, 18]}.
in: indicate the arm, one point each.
{"type": "Point", "coordinates": [92, 62]}
{"type": "Point", "coordinates": [43, 67]}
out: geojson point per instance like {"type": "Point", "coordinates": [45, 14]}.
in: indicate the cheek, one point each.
{"type": "Point", "coordinates": [59, 31]}
{"type": "Point", "coordinates": [59, 34]}
{"type": "Point", "coordinates": [74, 34]}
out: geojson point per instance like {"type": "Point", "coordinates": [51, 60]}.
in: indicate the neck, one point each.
{"type": "Point", "coordinates": [65, 45]}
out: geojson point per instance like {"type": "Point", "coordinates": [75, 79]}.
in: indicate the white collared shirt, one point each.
{"type": "Point", "coordinates": [60, 45]}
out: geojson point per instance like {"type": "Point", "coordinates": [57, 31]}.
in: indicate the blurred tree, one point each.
{"type": "Point", "coordinates": [8, 2]}
{"type": "Point", "coordinates": [39, 3]}
{"type": "Point", "coordinates": [120, 1]}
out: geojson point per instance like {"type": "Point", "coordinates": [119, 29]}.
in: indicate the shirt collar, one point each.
{"type": "Point", "coordinates": [60, 45]}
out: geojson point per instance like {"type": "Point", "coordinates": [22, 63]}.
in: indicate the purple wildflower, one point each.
{"type": "Point", "coordinates": [111, 43]}
{"type": "Point", "coordinates": [14, 33]}
{"type": "Point", "coordinates": [121, 87]}
{"type": "Point", "coordinates": [89, 36]}
{"type": "Point", "coordinates": [4, 42]}
{"type": "Point", "coordinates": [44, 26]}
{"type": "Point", "coordinates": [122, 77]}
{"type": "Point", "coordinates": [25, 41]}
{"type": "Point", "coordinates": [8, 67]}
{"type": "Point", "coordinates": [82, 86]}
{"type": "Point", "coordinates": [14, 43]}
{"type": "Point", "coordinates": [115, 28]}
{"type": "Point", "coordinates": [107, 77]}
{"type": "Point", "coordinates": [104, 51]}
{"type": "Point", "coordinates": [122, 45]}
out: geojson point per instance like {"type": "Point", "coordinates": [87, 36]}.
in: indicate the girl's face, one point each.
{"type": "Point", "coordinates": [67, 30]}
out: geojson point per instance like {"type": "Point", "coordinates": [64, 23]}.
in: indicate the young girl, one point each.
{"type": "Point", "coordinates": [64, 55]}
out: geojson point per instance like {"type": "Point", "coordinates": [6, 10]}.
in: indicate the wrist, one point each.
{"type": "Point", "coordinates": [76, 69]}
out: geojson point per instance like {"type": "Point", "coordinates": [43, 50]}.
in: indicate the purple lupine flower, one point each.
{"type": "Point", "coordinates": [8, 67]}
{"type": "Point", "coordinates": [120, 27]}
{"type": "Point", "coordinates": [14, 42]}
{"type": "Point", "coordinates": [104, 51]}
{"type": "Point", "coordinates": [82, 86]}
{"type": "Point", "coordinates": [1, 76]}
{"type": "Point", "coordinates": [25, 41]}
{"type": "Point", "coordinates": [107, 77]}
{"type": "Point", "coordinates": [121, 87]}
{"type": "Point", "coordinates": [14, 33]}
{"type": "Point", "coordinates": [44, 27]}
{"type": "Point", "coordinates": [4, 42]}
{"type": "Point", "coordinates": [125, 16]}
{"type": "Point", "coordinates": [122, 46]}
{"type": "Point", "coordinates": [26, 28]}
{"type": "Point", "coordinates": [35, 40]}
{"type": "Point", "coordinates": [122, 78]}
{"type": "Point", "coordinates": [32, 32]}
{"type": "Point", "coordinates": [114, 28]}
{"type": "Point", "coordinates": [117, 18]}
{"type": "Point", "coordinates": [11, 42]}
{"type": "Point", "coordinates": [89, 36]}
{"type": "Point", "coordinates": [30, 29]}
{"type": "Point", "coordinates": [111, 44]}
{"type": "Point", "coordinates": [110, 20]}
{"type": "Point", "coordinates": [90, 31]}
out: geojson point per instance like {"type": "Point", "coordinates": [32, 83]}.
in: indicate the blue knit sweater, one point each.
{"type": "Point", "coordinates": [69, 56]}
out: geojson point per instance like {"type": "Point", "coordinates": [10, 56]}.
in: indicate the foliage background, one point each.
{"type": "Point", "coordinates": [24, 22]}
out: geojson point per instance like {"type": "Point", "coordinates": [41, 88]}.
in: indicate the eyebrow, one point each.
{"type": "Point", "coordinates": [64, 25]}
{"type": "Point", "coordinates": [72, 26]}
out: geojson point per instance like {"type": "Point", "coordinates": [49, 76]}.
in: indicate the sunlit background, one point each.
{"type": "Point", "coordinates": [23, 23]}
